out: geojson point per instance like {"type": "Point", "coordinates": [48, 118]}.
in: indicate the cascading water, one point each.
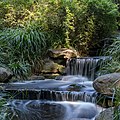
{"type": "Point", "coordinates": [51, 110]}
{"type": "Point", "coordinates": [32, 102]}
{"type": "Point", "coordinates": [70, 88]}
{"type": "Point", "coordinates": [72, 98]}
{"type": "Point", "coordinates": [56, 95]}
{"type": "Point", "coordinates": [85, 66]}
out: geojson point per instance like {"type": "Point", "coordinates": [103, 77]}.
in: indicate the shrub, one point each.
{"type": "Point", "coordinates": [97, 23]}
{"type": "Point", "coordinates": [3, 109]}
{"type": "Point", "coordinates": [117, 104]}
{"type": "Point", "coordinates": [112, 65]}
{"type": "Point", "coordinates": [82, 24]}
{"type": "Point", "coordinates": [35, 26]}
{"type": "Point", "coordinates": [21, 48]}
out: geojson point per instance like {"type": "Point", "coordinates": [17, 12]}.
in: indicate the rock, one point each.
{"type": "Point", "coordinates": [105, 115]}
{"type": "Point", "coordinates": [105, 100]}
{"type": "Point", "coordinates": [36, 77]}
{"type": "Point", "coordinates": [52, 67]}
{"type": "Point", "coordinates": [105, 84]}
{"type": "Point", "coordinates": [75, 87]}
{"type": "Point", "coordinates": [50, 76]}
{"type": "Point", "coordinates": [5, 75]}
{"type": "Point", "coordinates": [58, 77]}
{"type": "Point", "coordinates": [35, 110]}
{"type": "Point", "coordinates": [63, 53]}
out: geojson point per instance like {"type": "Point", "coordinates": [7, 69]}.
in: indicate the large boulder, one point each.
{"type": "Point", "coordinates": [75, 87]}
{"type": "Point", "coordinates": [5, 75]}
{"type": "Point", "coordinates": [63, 53]}
{"type": "Point", "coordinates": [106, 84]}
{"type": "Point", "coordinates": [106, 115]}
{"type": "Point", "coordinates": [52, 67]}
{"type": "Point", "coordinates": [111, 113]}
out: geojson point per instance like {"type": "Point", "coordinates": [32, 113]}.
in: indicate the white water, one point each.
{"type": "Point", "coordinates": [59, 107]}
{"type": "Point", "coordinates": [55, 90]}
{"type": "Point", "coordinates": [81, 110]}
{"type": "Point", "coordinates": [37, 110]}
{"type": "Point", "coordinates": [85, 66]}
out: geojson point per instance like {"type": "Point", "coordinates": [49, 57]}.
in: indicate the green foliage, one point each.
{"type": "Point", "coordinates": [98, 22]}
{"type": "Point", "coordinates": [117, 104]}
{"type": "Point", "coordinates": [112, 65]}
{"type": "Point", "coordinates": [68, 26]}
{"type": "Point", "coordinates": [80, 22]}
{"type": "Point", "coordinates": [21, 48]}
{"type": "Point", "coordinates": [3, 109]}
{"type": "Point", "coordinates": [29, 28]}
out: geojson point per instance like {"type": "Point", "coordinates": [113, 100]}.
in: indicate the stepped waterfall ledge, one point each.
{"type": "Point", "coordinates": [71, 97]}
{"type": "Point", "coordinates": [53, 99]}
{"type": "Point", "coordinates": [50, 63]}
{"type": "Point", "coordinates": [85, 66]}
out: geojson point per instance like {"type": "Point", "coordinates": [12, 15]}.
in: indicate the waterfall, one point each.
{"type": "Point", "coordinates": [70, 88]}
{"type": "Point", "coordinates": [51, 110]}
{"type": "Point", "coordinates": [53, 95]}
{"type": "Point", "coordinates": [85, 66]}
{"type": "Point", "coordinates": [72, 98]}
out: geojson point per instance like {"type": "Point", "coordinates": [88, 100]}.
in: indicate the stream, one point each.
{"type": "Point", "coordinates": [70, 98]}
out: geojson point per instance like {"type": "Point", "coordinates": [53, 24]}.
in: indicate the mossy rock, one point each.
{"type": "Point", "coordinates": [106, 84]}
{"type": "Point", "coordinates": [62, 53]}
{"type": "Point", "coordinates": [52, 67]}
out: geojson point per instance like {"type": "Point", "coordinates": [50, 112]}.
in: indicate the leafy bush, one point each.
{"type": "Point", "coordinates": [112, 65]}
{"type": "Point", "coordinates": [21, 48]}
{"type": "Point", "coordinates": [29, 28]}
{"type": "Point", "coordinates": [3, 109]}
{"type": "Point", "coordinates": [99, 22]}
{"type": "Point", "coordinates": [76, 23]}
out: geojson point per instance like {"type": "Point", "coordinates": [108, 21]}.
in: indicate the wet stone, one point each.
{"type": "Point", "coordinates": [51, 110]}
{"type": "Point", "coordinates": [36, 110]}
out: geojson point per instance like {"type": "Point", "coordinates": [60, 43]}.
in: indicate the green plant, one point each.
{"type": "Point", "coordinates": [3, 109]}
{"type": "Point", "coordinates": [69, 26]}
{"type": "Point", "coordinates": [97, 23]}
{"type": "Point", "coordinates": [6, 112]}
{"type": "Point", "coordinates": [112, 65]}
{"type": "Point", "coordinates": [21, 48]}
{"type": "Point", "coordinates": [82, 24]}
{"type": "Point", "coordinates": [117, 104]}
